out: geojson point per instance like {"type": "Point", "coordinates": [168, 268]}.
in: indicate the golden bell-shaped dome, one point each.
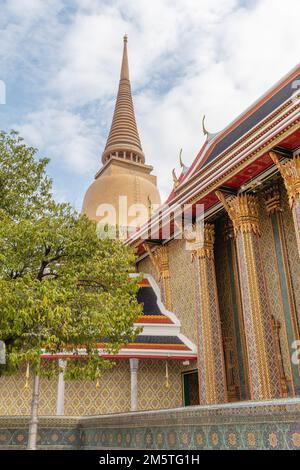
{"type": "Point", "coordinates": [122, 196]}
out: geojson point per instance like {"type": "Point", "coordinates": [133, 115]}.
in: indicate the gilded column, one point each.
{"type": "Point", "coordinates": [289, 331]}
{"type": "Point", "coordinates": [263, 367]}
{"type": "Point", "coordinates": [211, 368]}
{"type": "Point", "coordinates": [160, 260]}
{"type": "Point", "coordinates": [290, 171]}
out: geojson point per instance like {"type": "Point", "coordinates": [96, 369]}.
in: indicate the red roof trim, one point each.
{"type": "Point", "coordinates": [192, 357]}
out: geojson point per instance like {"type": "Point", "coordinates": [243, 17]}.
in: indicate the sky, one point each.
{"type": "Point", "coordinates": [60, 64]}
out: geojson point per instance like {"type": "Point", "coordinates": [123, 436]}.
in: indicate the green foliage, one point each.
{"type": "Point", "coordinates": [61, 288]}
{"type": "Point", "coordinates": [24, 186]}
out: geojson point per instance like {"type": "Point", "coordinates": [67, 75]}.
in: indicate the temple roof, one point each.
{"type": "Point", "coordinates": [257, 112]}
{"type": "Point", "coordinates": [161, 336]}
{"type": "Point", "coordinates": [235, 156]}
{"type": "Point", "coordinates": [123, 135]}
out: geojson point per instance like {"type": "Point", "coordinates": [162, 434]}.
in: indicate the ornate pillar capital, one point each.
{"type": "Point", "coordinates": [205, 242]}
{"type": "Point", "coordinates": [272, 199]}
{"type": "Point", "coordinates": [243, 211]}
{"type": "Point", "coordinates": [290, 171]}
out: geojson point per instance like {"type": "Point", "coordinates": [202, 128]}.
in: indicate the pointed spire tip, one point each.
{"type": "Point", "coordinates": [123, 136]}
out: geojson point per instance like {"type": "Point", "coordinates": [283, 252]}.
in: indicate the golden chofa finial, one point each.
{"type": "Point", "coordinates": [175, 179]}
{"type": "Point", "coordinates": [183, 166]}
{"type": "Point", "coordinates": [205, 132]}
{"type": "Point", "coordinates": [180, 159]}
{"type": "Point", "coordinates": [125, 38]}
{"type": "Point", "coordinates": [209, 135]}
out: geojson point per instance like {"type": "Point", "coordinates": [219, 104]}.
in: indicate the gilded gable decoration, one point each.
{"type": "Point", "coordinates": [290, 171]}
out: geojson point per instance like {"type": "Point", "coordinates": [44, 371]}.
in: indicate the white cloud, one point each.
{"type": "Point", "coordinates": [63, 136]}
{"type": "Point", "coordinates": [164, 37]}
{"type": "Point", "coordinates": [26, 26]}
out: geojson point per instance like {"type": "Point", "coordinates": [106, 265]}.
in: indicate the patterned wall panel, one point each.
{"type": "Point", "coordinates": [294, 261]}
{"type": "Point", "coordinates": [273, 282]}
{"type": "Point", "coordinates": [146, 266]}
{"type": "Point", "coordinates": [83, 398]}
{"type": "Point", "coordinates": [15, 399]}
{"type": "Point", "coordinates": [182, 285]}
{"type": "Point", "coordinates": [152, 393]}
{"type": "Point", "coordinates": [183, 288]}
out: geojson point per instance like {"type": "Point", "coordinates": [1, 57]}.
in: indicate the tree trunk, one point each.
{"type": "Point", "coordinates": [33, 424]}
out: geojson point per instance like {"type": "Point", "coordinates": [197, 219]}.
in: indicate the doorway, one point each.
{"type": "Point", "coordinates": [190, 388]}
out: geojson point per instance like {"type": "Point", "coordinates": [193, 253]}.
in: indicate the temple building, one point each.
{"type": "Point", "coordinates": [221, 309]}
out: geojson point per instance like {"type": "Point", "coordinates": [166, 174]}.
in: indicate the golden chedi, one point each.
{"type": "Point", "coordinates": [124, 182]}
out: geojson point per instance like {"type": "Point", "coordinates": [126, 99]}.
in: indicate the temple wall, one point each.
{"type": "Point", "coordinates": [83, 398]}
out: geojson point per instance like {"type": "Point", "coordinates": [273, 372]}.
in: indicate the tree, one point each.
{"type": "Point", "coordinates": [61, 289]}
{"type": "Point", "coordinates": [25, 189]}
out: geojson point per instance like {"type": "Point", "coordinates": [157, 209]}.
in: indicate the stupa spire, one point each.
{"type": "Point", "coordinates": [123, 139]}
{"type": "Point", "coordinates": [125, 67]}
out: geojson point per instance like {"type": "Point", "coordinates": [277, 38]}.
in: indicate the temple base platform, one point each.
{"type": "Point", "coordinates": [246, 425]}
